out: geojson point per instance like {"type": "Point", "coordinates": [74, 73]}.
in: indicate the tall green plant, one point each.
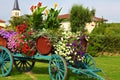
{"type": "Point", "coordinates": [52, 21]}
{"type": "Point", "coordinates": [37, 16]}
{"type": "Point", "coordinates": [79, 16]}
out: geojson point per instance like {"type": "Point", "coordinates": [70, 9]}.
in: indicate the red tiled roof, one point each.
{"type": "Point", "coordinates": [67, 16]}
{"type": "Point", "coordinates": [99, 19]}
{"type": "Point", "coordinates": [1, 26]}
{"type": "Point", "coordinates": [2, 21]}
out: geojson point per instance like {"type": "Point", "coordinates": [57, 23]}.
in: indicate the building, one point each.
{"type": "Point", "coordinates": [89, 26]}
{"type": "Point", "coordinates": [66, 24]}
{"type": "Point", "coordinates": [2, 24]}
{"type": "Point", "coordinates": [16, 10]}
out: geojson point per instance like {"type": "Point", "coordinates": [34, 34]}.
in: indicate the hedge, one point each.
{"type": "Point", "coordinates": [103, 43]}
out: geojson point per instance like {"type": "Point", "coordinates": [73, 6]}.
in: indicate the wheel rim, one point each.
{"type": "Point", "coordinates": [24, 65]}
{"type": "Point", "coordinates": [89, 61]}
{"type": "Point", "coordinates": [57, 68]}
{"type": "Point", "coordinates": [6, 61]}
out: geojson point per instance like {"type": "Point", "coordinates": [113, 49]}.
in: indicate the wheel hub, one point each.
{"type": "Point", "coordinates": [55, 69]}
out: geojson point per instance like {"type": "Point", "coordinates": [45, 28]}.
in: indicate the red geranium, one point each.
{"type": "Point", "coordinates": [21, 28]}
{"type": "Point", "coordinates": [25, 48]}
{"type": "Point", "coordinates": [32, 53]}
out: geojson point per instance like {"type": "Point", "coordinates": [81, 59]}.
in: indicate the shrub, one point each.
{"type": "Point", "coordinates": [105, 38]}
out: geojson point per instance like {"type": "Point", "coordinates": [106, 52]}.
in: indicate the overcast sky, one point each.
{"type": "Point", "coordinates": [109, 9]}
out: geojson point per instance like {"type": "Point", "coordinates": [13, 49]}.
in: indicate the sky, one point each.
{"type": "Point", "coordinates": [108, 9]}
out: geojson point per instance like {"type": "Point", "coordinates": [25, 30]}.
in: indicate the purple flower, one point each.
{"type": "Point", "coordinates": [74, 43]}
{"type": "Point", "coordinates": [11, 44]}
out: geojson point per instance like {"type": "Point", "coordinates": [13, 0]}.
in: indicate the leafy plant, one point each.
{"type": "Point", "coordinates": [105, 38]}
{"type": "Point", "coordinates": [79, 16]}
{"type": "Point", "coordinates": [52, 21]}
{"type": "Point", "coordinates": [37, 16]}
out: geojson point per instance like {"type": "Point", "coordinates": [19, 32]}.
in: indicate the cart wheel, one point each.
{"type": "Point", "coordinates": [57, 68]}
{"type": "Point", "coordinates": [24, 65]}
{"type": "Point", "coordinates": [6, 61]}
{"type": "Point", "coordinates": [89, 61]}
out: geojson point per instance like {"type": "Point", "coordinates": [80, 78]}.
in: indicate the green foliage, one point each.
{"type": "Point", "coordinates": [19, 20]}
{"type": "Point", "coordinates": [52, 21]}
{"type": "Point", "coordinates": [37, 18]}
{"type": "Point", "coordinates": [48, 21]}
{"type": "Point", "coordinates": [105, 38]}
{"type": "Point", "coordinates": [79, 16]}
{"type": "Point", "coordinates": [54, 37]}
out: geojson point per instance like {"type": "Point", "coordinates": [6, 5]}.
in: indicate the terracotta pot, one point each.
{"type": "Point", "coordinates": [43, 45]}
{"type": "Point", "coordinates": [3, 42]}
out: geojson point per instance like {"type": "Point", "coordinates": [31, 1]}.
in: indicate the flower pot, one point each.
{"type": "Point", "coordinates": [3, 42]}
{"type": "Point", "coordinates": [43, 45]}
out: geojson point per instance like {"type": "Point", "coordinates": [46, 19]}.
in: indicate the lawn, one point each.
{"type": "Point", "coordinates": [110, 65]}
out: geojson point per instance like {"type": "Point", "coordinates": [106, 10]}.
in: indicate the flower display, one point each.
{"type": "Point", "coordinates": [12, 39]}
{"type": "Point", "coordinates": [20, 41]}
{"type": "Point", "coordinates": [78, 46]}
{"type": "Point", "coordinates": [23, 38]}
{"type": "Point", "coordinates": [69, 45]}
{"type": "Point", "coordinates": [72, 47]}
{"type": "Point", "coordinates": [13, 43]}
{"type": "Point", "coordinates": [27, 44]}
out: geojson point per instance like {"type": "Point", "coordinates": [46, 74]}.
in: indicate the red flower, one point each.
{"type": "Point", "coordinates": [25, 48]}
{"type": "Point", "coordinates": [32, 8]}
{"type": "Point", "coordinates": [32, 53]}
{"type": "Point", "coordinates": [21, 28]}
{"type": "Point", "coordinates": [39, 4]}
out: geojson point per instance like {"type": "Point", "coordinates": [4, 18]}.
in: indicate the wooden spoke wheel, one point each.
{"type": "Point", "coordinates": [57, 68]}
{"type": "Point", "coordinates": [24, 65]}
{"type": "Point", "coordinates": [89, 61]}
{"type": "Point", "coordinates": [6, 61]}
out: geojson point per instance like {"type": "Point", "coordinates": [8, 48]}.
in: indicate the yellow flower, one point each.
{"type": "Point", "coordinates": [46, 11]}
{"type": "Point", "coordinates": [45, 14]}
{"type": "Point", "coordinates": [55, 5]}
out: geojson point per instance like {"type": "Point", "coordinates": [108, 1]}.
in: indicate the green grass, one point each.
{"type": "Point", "coordinates": [110, 65]}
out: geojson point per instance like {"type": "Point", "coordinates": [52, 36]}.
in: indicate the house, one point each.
{"type": "Point", "coordinates": [66, 24]}
{"type": "Point", "coordinates": [89, 26]}
{"type": "Point", "coordinates": [2, 24]}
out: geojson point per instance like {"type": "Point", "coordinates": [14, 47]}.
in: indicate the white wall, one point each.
{"type": "Point", "coordinates": [66, 26]}
{"type": "Point", "coordinates": [2, 24]}
{"type": "Point", "coordinates": [89, 26]}
{"type": "Point", "coordinates": [15, 13]}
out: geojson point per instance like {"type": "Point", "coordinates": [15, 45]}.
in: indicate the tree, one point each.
{"type": "Point", "coordinates": [80, 15]}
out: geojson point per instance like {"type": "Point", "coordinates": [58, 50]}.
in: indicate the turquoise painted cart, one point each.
{"type": "Point", "coordinates": [58, 66]}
